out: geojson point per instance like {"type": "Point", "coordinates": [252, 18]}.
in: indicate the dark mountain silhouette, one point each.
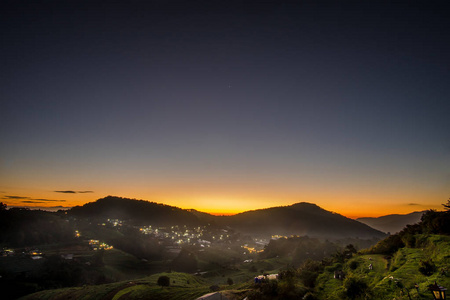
{"type": "Point", "coordinates": [392, 223]}
{"type": "Point", "coordinates": [23, 227]}
{"type": "Point", "coordinates": [135, 211]}
{"type": "Point", "coordinates": [298, 219]}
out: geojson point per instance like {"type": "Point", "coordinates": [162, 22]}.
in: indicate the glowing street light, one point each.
{"type": "Point", "coordinates": [437, 291]}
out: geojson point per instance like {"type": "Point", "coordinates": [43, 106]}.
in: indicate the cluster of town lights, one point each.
{"type": "Point", "coordinates": [95, 244]}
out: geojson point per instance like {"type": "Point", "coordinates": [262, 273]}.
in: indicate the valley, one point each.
{"type": "Point", "coordinates": [101, 256]}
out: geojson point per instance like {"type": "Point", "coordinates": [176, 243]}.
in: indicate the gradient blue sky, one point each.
{"type": "Point", "coordinates": [226, 106]}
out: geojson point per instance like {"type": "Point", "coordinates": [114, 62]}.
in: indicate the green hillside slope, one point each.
{"type": "Point", "coordinates": [182, 286]}
{"type": "Point", "coordinates": [391, 277]}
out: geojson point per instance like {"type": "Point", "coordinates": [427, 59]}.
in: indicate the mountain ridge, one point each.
{"type": "Point", "coordinates": [392, 223]}
{"type": "Point", "coordinates": [300, 219]}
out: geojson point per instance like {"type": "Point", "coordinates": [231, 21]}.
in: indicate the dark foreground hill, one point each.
{"type": "Point", "coordinates": [392, 223]}
{"type": "Point", "coordinates": [300, 219]}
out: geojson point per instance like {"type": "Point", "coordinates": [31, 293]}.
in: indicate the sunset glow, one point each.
{"type": "Point", "coordinates": [366, 207]}
{"type": "Point", "coordinates": [224, 110]}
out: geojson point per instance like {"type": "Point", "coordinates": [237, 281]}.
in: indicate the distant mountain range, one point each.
{"type": "Point", "coordinates": [392, 223]}
{"type": "Point", "coordinates": [298, 219]}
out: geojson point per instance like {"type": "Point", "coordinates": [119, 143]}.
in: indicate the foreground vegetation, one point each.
{"type": "Point", "coordinates": [182, 286]}
{"type": "Point", "coordinates": [404, 274]}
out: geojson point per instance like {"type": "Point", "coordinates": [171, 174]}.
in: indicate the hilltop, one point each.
{"type": "Point", "coordinates": [300, 219]}
{"type": "Point", "coordinates": [135, 211]}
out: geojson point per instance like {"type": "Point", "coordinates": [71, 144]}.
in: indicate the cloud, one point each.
{"type": "Point", "coordinates": [73, 192]}
{"type": "Point", "coordinates": [50, 200]}
{"type": "Point", "coordinates": [48, 208]}
{"type": "Point", "coordinates": [414, 204]}
{"type": "Point", "coordinates": [15, 197]}
{"type": "Point", "coordinates": [31, 201]}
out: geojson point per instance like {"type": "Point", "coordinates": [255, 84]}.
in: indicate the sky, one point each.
{"type": "Point", "coordinates": [226, 106]}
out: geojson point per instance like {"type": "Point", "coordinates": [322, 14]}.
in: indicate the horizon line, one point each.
{"type": "Point", "coordinates": [213, 213]}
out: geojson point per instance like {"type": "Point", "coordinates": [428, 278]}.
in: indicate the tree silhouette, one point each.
{"type": "Point", "coordinates": [355, 288]}
{"type": "Point", "coordinates": [447, 205]}
{"type": "Point", "coordinates": [163, 281]}
{"type": "Point", "coordinates": [185, 261]}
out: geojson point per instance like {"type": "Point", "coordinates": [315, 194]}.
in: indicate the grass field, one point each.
{"type": "Point", "coordinates": [394, 278]}
{"type": "Point", "coordinates": [182, 286]}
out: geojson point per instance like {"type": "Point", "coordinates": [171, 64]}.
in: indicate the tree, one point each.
{"type": "Point", "coordinates": [447, 205]}
{"type": "Point", "coordinates": [353, 264]}
{"type": "Point", "coordinates": [3, 206]}
{"type": "Point", "coordinates": [185, 262]}
{"type": "Point", "coordinates": [349, 250]}
{"type": "Point", "coordinates": [354, 287]}
{"type": "Point", "coordinates": [308, 273]}
{"type": "Point", "coordinates": [229, 281]}
{"type": "Point", "coordinates": [163, 281]}
{"type": "Point", "coordinates": [427, 267]}
{"type": "Point", "coordinates": [309, 296]}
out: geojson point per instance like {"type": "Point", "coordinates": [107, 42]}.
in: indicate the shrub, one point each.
{"type": "Point", "coordinates": [230, 281]}
{"type": "Point", "coordinates": [427, 267]}
{"type": "Point", "coordinates": [269, 288]}
{"type": "Point", "coordinates": [186, 261]}
{"type": "Point", "coordinates": [388, 246]}
{"type": "Point", "coordinates": [409, 240]}
{"type": "Point", "coordinates": [335, 267]}
{"type": "Point", "coordinates": [163, 281]}
{"type": "Point", "coordinates": [214, 288]}
{"type": "Point", "coordinates": [353, 265]}
{"type": "Point", "coordinates": [254, 295]}
{"type": "Point", "coordinates": [308, 278]}
{"type": "Point", "coordinates": [309, 296]}
{"type": "Point", "coordinates": [354, 287]}
{"type": "Point", "coordinates": [288, 291]}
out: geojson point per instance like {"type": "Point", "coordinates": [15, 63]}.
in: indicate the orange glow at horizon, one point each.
{"type": "Point", "coordinates": [222, 213]}
{"type": "Point", "coordinates": [352, 212]}
{"type": "Point", "coordinates": [350, 204]}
